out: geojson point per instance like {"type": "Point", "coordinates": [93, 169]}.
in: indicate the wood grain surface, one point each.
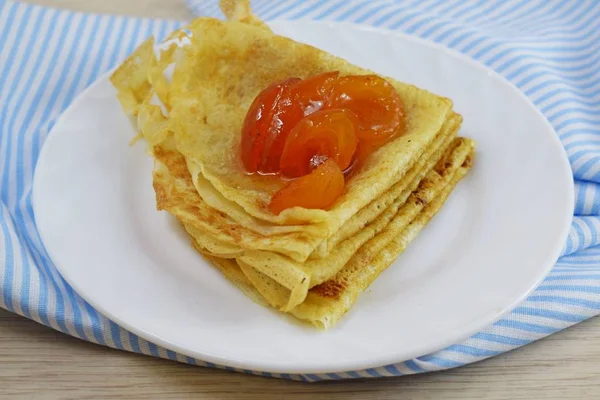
{"type": "Point", "coordinates": [39, 363]}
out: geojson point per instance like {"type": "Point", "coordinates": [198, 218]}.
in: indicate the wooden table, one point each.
{"type": "Point", "coordinates": [39, 363]}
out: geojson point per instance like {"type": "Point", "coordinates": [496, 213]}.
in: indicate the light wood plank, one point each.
{"type": "Point", "coordinates": [37, 362]}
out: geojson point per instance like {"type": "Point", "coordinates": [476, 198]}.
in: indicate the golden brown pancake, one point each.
{"type": "Point", "coordinates": [326, 303]}
{"type": "Point", "coordinates": [188, 97]}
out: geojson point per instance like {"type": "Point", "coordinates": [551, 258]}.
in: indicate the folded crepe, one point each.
{"type": "Point", "coordinates": [327, 302]}
{"type": "Point", "coordinates": [189, 96]}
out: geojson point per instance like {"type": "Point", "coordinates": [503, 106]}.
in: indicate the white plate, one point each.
{"type": "Point", "coordinates": [493, 242]}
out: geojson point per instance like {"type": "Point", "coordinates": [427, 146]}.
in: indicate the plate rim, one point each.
{"type": "Point", "coordinates": [337, 367]}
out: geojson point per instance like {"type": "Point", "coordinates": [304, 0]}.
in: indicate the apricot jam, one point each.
{"type": "Point", "coordinates": [314, 130]}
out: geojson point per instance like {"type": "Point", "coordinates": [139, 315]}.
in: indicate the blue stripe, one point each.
{"type": "Point", "coordinates": [576, 120]}
{"type": "Point", "coordinates": [592, 229]}
{"type": "Point", "coordinates": [26, 268]}
{"type": "Point", "coordinates": [557, 7]}
{"type": "Point", "coordinates": [171, 355]}
{"type": "Point", "coordinates": [596, 177]}
{"type": "Point", "coordinates": [442, 37]}
{"type": "Point", "coordinates": [25, 284]}
{"type": "Point", "coordinates": [96, 324]}
{"type": "Point", "coordinates": [589, 255]}
{"type": "Point", "coordinates": [502, 339]}
{"type": "Point", "coordinates": [432, 30]}
{"type": "Point", "coordinates": [579, 143]}
{"type": "Point", "coordinates": [571, 288]}
{"type": "Point", "coordinates": [440, 361]}
{"type": "Point", "coordinates": [589, 252]}
{"type": "Point", "coordinates": [101, 51]}
{"type": "Point", "coordinates": [435, 5]}
{"type": "Point", "coordinates": [413, 366]}
{"type": "Point", "coordinates": [291, 7]}
{"type": "Point", "coordinates": [191, 360]}
{"type": "Point", "coordinates": [472, 44]}
{"type": "Point", "coordinates": [370, 13]}
{"type": "Point", "coordinates": [351, 11]}
{"type": "Point", "coordinates": [82, 65]}
{"type": "Point", "coordinates": [574, 157]}
{"type": "Point", "coordinates": [510, 10]}
{"type": "Point", "coordinates": [117, 48]}
{"type": "Point", "coordinates": [11, 55]}
{"type": "Point", "coordinates": [8, 64]}
{"type": "Point", "coordinates": [481, 54]}
{"type": "Point", "coordinates": [10, 18]}
{"type": "Point", "coordinates": [354, 374]}
{"type": "Point", "coordinates": [409, 17]}
{"type": "Point", "coordinates": [485, 12]}
{"type": "Point", "coordinates": [566, 300]}
{"type": "Point", "coordinates": [585, 264]}
{"type": "Point", "coordinates": [574, 132]}
{"type": "Point", "coordinates": [569, 245]}
{"type": "Point", "coordinates": [581, 196]}
{"type": "Point", "coordinates": [546, 313]}
{"type": "Point", "coordinates": [559, 91]}
{"type": "Point", "coordinates": [133, 40]}
{"type": "Point", "coordinates": [454, 43]}
{"type": "Point", "coordinates": [134, 342]}
{"type": "Point", "coordinates": [570, 269]}
{"type": "Point", "coordinates": [265, 7]}
{"type": "Point", "coordinates": [153, 349]}
{"type": "Point", "coordinates": [373, 372]}
{"type": "Point", "coordinates": [115, 334]}
{"type": "Point", "coordinates": [386, 17]}
{"type": "Point", "coordinates": [570, 277]}
{"type": "Point", "coordinates": [392, 370]}
{"type": "Point", "coordinates": [585, 168]}
{"type": "Point", "coordinates": [472, 7]}
{"type": "Point", "coordinates": [313, 377]}
{"type": "Point", "coordinates": [527, 57]}
{"type": "Point", "coordinates": [472, 351]}
{"type": "Point", "coordinates": [579, 234]}
{"type": "Point", "coordinates": [524, 326]}
{"type": "Point", "coordinates": [450, 7]}
{"type": "Point", "coordinates": [330, 10]}
{"type": "Point", "coordinates": [576, 18]}
{"type": "Point", "coordinates": [7, 281]}
{"type": "Point", "coordinates": [163, 31]}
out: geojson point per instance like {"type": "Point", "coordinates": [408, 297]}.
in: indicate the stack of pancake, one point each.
{"type": "Point", "coordinates": [189, 96]}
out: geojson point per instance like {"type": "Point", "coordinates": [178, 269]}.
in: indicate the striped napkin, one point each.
{"type": "Point", "coordinates": [549, 49]}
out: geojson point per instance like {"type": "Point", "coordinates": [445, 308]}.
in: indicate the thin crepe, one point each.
{"type": "Point", "coordinates": [188, 97]}
{"type": "Point", "coordinates": [266, 277]}
{"type": "Point", "coordinates": [297, 277]}
{"type": "Point", "coordinates": [233, 225]}
{"type": "Point", "coordinates": [211, 91]}
{"type": "Point", "coordinates": [328, 302]}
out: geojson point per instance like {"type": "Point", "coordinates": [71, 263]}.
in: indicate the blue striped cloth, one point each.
{"type": "Point", "coordinates": [549, 49]}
